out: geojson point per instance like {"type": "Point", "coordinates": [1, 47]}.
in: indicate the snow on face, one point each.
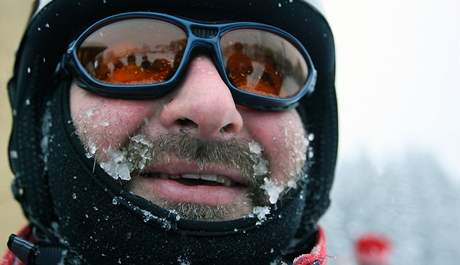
{"type": "Point", "coordinates": [266, 148]}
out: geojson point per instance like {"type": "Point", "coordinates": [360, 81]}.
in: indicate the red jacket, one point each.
{"type": "Point", "coordinates": [316, 257]}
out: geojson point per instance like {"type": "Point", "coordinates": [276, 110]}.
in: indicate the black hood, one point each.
{"type": "Point", "coordinates": [89, 214]}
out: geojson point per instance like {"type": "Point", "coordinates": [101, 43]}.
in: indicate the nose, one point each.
{"type": "Point", "coordinates": [202, 104]}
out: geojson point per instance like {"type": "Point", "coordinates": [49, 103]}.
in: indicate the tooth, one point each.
{"type": "Point", "coordinates": [212, 178]}
{"type": "Point", "coordinates": [221, 179]}
{"type": "Point", "coordinates": [190, 176]}
{"type": "Point", "coordinates": [227, 182]}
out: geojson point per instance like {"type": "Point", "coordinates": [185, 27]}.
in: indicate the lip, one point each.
{"type": "Point", "coordinates": [175, 191]}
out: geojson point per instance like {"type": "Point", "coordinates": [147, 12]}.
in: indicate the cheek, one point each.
{"type": "Point", "coordinates": [283, 138]}
{"type": "Point", "coordinates": [104, 122]}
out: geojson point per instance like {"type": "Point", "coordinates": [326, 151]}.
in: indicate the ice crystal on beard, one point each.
{"type": "Point", "coordinates": [292, 184]}
{"type": "Point", "coordinates": [121, 162]}
{"type": "Point", "coordinates": [273, 190]}
{"type": "Point", "coordinates": [140, 154]}
{"type": "Point", "coordinates": [117, 165]}
{"type": "Point", "coordinates": [261, 167]}
{"type": "Point", "coordinates": [255, 148]}
{"type": "Point", "coordinates": [261, 213]}
{"type": "Point", "coordinates": [91, 150]}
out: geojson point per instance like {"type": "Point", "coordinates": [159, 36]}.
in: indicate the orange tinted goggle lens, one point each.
{"type": "Point", "coordinates": [133, 51]}
{"type": "Point", "coordinates": [264, 63]}
{"type": "Point", "coordinates": [149, 51]}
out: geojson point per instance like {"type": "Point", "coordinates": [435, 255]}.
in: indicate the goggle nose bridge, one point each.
{"type": "Point", "coordinates": [204, 32]}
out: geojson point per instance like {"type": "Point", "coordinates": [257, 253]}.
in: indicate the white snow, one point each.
{"type": "Point", "coordinates": [14, 154]}
{"type": "Point", "coordinates": [255, 148]}
{"type": "Point", "coordinates": [147, 215]}
{"type": "Point", "coordinates": [46, 127]}
{"type": "Point", "coordinates": [183, 260]}
{"type": "Point", "coordinates": [120, 163]}
{"type": "Point", "coordinates": [272, 189]}
{"type": "Point", "coordinates": [261, 213]}
{"type": "Point", "coordinates": [261, 168]}
{"type": "Point", "coordinates": [89, 113]}
{"type": "Point", "coordinates": [411, 200]}
{"type": "Point", "coordinates": [117, 166]}
{"type": "Point", "coordinates": [141, 151]}
{"type": "Point", "coordinates": [278, 262]}
{"type": "Point", "coordinates": [41, 4]}
{"type": "Point", "coordinates": [91, 149]}
{"type": "Point", "coordinates": [310, 153]}
{"type": "Point", "coordinates": [292, 184]}
{"type": "Point", "coordinates": [105, 124]}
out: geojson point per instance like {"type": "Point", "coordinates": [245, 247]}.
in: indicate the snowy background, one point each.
{"type": "Point", "coordinates": [398, 84]}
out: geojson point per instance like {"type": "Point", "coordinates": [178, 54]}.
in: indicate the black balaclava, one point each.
{"type": "Point", "coordinates": [89, 215]}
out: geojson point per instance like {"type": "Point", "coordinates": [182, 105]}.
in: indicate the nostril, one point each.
{"type": "Point", "coordinates": [227, 128]}
{"type": "Point", "coordinates": [184, 122]}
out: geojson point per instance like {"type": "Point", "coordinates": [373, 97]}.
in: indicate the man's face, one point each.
{"type": "Point", "coordinates": [193, 150]}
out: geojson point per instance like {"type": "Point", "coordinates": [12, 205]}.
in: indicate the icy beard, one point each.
{"type": "Point", "coordinates": [128, 162]}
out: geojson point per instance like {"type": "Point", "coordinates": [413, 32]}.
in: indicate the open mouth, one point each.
{"type": "Point", "coordinates": [195, 179]}
{"type": "Point", "coordinates": [190, 186]}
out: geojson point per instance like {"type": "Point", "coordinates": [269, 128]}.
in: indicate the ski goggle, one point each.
{"type": "Point", "coordinates": [140, 55]}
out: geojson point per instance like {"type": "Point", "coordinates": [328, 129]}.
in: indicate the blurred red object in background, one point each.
{"type": "Point", "coordinates": [373, 249]}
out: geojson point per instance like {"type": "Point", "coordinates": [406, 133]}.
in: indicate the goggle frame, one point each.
{"type": "Point", "coordinates": [72, 64]}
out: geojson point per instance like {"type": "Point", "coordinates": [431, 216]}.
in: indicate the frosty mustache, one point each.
{"type": "Point", "coordinates": [142, 151]}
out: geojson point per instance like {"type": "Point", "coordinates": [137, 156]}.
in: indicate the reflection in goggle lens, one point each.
{"type": "Point", "coordinates": [149, 51]}
{"type": "Point", "coordinates": [262, 62]}
{"type": "Point", "coordinates": [133, 51]}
